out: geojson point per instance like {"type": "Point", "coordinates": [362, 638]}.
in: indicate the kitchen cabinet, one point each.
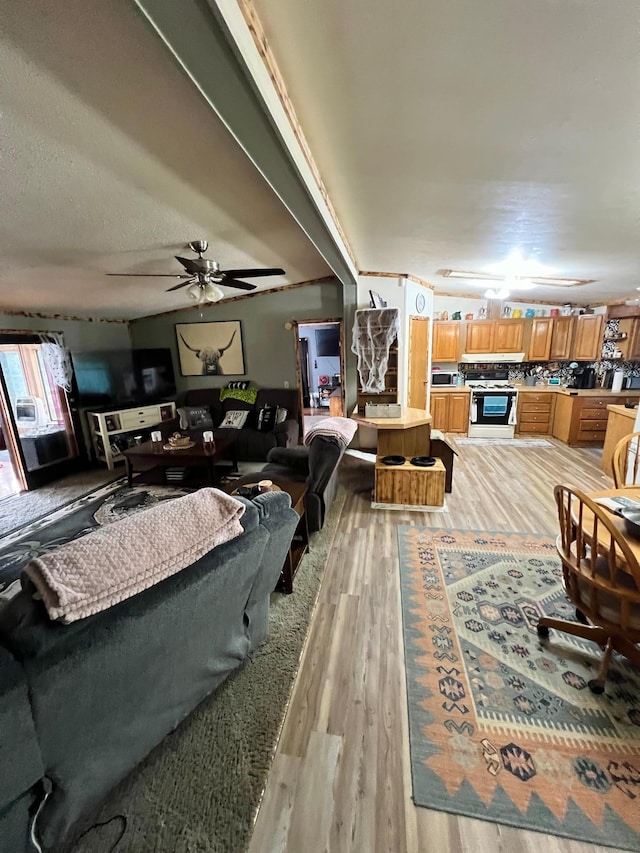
{"type": "Point", "coordinates": [508, 336]}
{"type": "Point", "coordinates": [561, 338]}
{"type": "Point", "coordinates": [480, 336]}
{"type": "Point", "coordinates": [587, 338]}
{"type": "Point", "coordinates": [540, 339]}
{"type": "Point", "coordinates": [535, 412]}
{"type": "Point", "coordinates": [446, 340]}
{"type": "Point", "coordinates": [450, 411]}
{"type": "Point", "coordinates": [582, 421]}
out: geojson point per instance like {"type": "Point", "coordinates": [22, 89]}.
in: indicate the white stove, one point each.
{"type": "Point", "coordinates": [492, 411]}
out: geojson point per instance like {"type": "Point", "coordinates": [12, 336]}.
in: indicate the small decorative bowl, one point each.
{"type": "Point", "coordinates": [178, 440]}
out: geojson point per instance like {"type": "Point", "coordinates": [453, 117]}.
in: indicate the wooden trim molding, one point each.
{"type": "Point", "coordinates": [38, 315]}
{"type": "Point", "coordinates": [254, 25]}
{"type": "Point", "coordinates": [413, 278]}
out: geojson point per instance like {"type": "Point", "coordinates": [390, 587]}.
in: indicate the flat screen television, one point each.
{"type": "Point", "coordinates": [121, 378]}
{"type": "Point", "coordinates": [328, 341]}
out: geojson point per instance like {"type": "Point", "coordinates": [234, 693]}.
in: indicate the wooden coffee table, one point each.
{"type": "Point", "coordinates": [150, 454]}
{"type": "Point", "coordinates": [300, 542]}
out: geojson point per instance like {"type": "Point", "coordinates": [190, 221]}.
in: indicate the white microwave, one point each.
{"type": "Point", "coordinates": [443, 377]}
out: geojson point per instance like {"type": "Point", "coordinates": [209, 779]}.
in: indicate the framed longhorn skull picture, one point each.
{"type": "Point", "coordinates": [211, 349]}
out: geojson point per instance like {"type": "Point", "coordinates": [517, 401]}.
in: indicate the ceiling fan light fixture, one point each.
{"type": "Point", "coordinates": [212, 293]}
{"type": "Point", "coordinates": [194, 292]}
{"type": "Point", "coordinates": [496, 293]}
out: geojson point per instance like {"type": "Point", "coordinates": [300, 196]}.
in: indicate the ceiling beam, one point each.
{"type": "Point", "coordinates": [199, 40]}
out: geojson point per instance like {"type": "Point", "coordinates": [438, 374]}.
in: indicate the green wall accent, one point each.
{"type": "Point", "coordinates": [269, 348]}
{"type": "Point", "coordinates": [78, 334]}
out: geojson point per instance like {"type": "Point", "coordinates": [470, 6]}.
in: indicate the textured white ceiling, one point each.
{"type": "Point", "coordinates": [112, 162]}
{"type": "Point", "coordinates": [449, 132]}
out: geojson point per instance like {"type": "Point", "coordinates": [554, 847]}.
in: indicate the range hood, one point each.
{"type": "Point", "coordinates": [492, 357]}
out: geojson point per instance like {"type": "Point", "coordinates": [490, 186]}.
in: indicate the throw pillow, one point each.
{"type": "Point", "coordinates": [267, 418]}
{"type": "Point", "coordinates": [281, 415]}
{"type": "Point", "coordinates": [195, 417]}
{"type": "Point", "coordinates": [241, 384]}
{"type": "Point", "coordinates": [235, 419]}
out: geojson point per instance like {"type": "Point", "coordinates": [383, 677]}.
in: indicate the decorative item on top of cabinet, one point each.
{"type": "Point", "coordinates": [561, 338]}
{"type": "Point", "coordinates": [446, 341]}
{"type": "Point", "coordinates": [540, 339]}
{"type": "Point", "coordinates": [587, 340]}
{"type": "Point", "coordinates": [450, 411]}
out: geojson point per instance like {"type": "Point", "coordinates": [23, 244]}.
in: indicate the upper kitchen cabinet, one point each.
{"type": "Point", "coordinates": [508, 336]}
{"type": "Point", "coordinates": [446, 340]}
{"type": "Point", "coordinates": [480, 336]}
{"type": "Point", "coordinates": [561, 338]}
{"type": "Point", "coordinates": [587, 340]}
{"type": "Point", "coordinates": [540, 339]}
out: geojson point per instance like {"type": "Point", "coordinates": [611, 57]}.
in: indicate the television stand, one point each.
{"type": "Point", "coordinates": [114, 431]}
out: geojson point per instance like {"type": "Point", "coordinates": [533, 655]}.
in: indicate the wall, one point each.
{"type": "Point", "coordinates": [269, 348]}
{"type": "Point", "coordinates": [78, 334]}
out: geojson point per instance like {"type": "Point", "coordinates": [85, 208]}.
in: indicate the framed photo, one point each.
{"type": "Point", "coordinates": [211, 349]}
{"type": "Point", "coordinates": [376, 301]}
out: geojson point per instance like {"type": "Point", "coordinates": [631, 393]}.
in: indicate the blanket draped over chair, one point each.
{"type": "Point", "coordinates": [342, 429]}
{"type": "Point", "coordinates": [115, 562]}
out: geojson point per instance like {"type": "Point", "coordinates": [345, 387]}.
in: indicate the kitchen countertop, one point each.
{"type": "Point", "coordinates": [577, 392]}
{"type": "Point", "coordinates": [622, 410]}
{"type": "Point", "coordinates": [450, 389]}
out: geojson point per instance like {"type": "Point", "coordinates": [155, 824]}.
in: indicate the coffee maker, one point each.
{"type": "Point", "coordinates": [582, 377]}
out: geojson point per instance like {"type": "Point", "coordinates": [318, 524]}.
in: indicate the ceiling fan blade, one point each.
{"type": "Point", "coordinates": [148, 275]}
{"type": "Point", "coordinates": [189, 264]}
{"type": "Point", "coordinates": [233, 282]}
{"type": "Point", "coordinates": [254, 273]}
{"type": "Point", "coordinates": [190, 280]}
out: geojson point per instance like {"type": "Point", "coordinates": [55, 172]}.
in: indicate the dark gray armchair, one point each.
{"type": "Point", "coordinates": [317, 466]}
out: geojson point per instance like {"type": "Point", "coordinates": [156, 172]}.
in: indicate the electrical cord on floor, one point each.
{"type": "Point", "coordinates": [47, 789]}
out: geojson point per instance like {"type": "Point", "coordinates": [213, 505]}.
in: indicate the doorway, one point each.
{"type": "Point", "coordinates": [37, 429]}
{"type": "Point", "coordinates": [320, 369]}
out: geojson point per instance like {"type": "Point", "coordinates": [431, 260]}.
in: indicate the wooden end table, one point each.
{"type": "Point", "coordinates": [151, 454]}
{"type": "Point", "coordinates": [300, 542]}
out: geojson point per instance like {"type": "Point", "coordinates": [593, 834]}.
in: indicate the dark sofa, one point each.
{"type": "Point", "coordinates": [83, 704]}
{"type": "Point", "coordinates": [251, 444]}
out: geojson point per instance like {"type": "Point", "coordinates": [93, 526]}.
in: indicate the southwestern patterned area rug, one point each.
{"type": "Point", "coordinates": [502, 727]}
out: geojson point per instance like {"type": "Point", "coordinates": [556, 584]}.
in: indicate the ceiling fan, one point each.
{"type": "Point", "coordinates": [203, 276]}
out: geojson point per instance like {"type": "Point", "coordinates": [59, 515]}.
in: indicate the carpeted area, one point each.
{"type": "Point", "coordinates": [199, 790]}
{"type": "Point", "coordinates": [18, 510]}
{"type": "Point", "coordinates": [501, 727]}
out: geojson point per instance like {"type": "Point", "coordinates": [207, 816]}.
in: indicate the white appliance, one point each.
{"type": "Point", "coordinates": [492, 357]}
{"type": "Point", "coordinates": [493, 405]}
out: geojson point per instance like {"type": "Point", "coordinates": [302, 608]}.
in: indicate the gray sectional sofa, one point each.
{"type": "Point", "coordinates": [83, 704]}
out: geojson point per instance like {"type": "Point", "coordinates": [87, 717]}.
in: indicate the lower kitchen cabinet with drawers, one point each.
{"type": "Point", "coordinates": [535, 412]}
{"type": "Point", "coordinates": [582, 421]}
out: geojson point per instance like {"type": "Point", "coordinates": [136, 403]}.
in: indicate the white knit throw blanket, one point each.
{"type": "Point", "coordinates": [120, 560]}
{"type": "Point", "coordinates": [342, 429]}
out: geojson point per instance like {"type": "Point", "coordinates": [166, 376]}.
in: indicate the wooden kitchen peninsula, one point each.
{"type": "Point", "coordinates": [409, 435]}
{"type": "Point", "coordinates": [405, 486]}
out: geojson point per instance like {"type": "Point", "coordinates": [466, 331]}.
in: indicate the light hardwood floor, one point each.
{"type": "Point", "coordinates": [341, 778]}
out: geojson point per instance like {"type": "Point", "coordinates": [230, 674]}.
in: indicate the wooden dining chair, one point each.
{"type": "Point", "coordinates": [601, 578]}
{"type": "Point", "coordinates": [626, 467]}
